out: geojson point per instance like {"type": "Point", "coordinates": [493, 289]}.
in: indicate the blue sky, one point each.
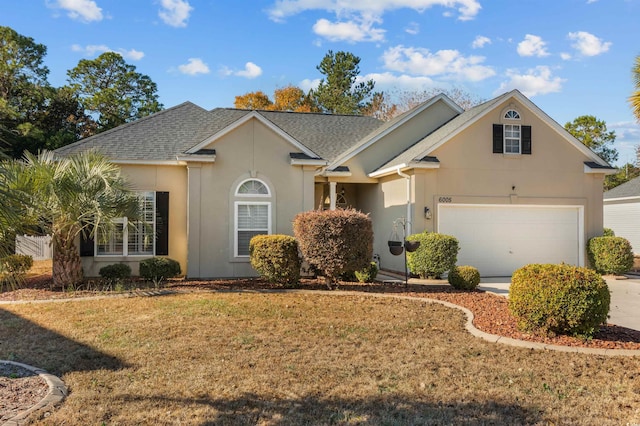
{"type": "Point", "coordinates": [571, 57]}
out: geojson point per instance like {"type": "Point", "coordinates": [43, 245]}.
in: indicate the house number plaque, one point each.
{"type": "Point", "coordinates": [445, 200]}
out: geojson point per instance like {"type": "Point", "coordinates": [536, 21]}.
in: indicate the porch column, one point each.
{"type": "Point", "coordinates": [332, 195]}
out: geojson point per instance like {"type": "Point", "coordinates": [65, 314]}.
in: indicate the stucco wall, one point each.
{"type": "Point", "coordinates": [252, 150]}
{"type": "Point", "coordinates": [398, 140]}
{"type": "Point", "coordinates": [172, 179]}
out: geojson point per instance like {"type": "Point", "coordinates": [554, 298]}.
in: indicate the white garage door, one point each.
{"type": "Point", "coordinates": [623, 219]}
{"type": "Point", "coordinates": [498, 239]}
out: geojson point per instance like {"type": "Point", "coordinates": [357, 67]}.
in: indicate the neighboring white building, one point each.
{"type": "Point", "coordinates": [622, 212]}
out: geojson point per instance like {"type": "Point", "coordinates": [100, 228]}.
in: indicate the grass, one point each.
{"type": "Point", "coordinates": [279, 359]}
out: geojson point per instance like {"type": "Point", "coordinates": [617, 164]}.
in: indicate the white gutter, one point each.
{"type": "Point", "coordinates": [409, 219]}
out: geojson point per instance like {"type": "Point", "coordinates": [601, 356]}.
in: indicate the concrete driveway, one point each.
{"type": "Point", "coordinates": [625, 298]}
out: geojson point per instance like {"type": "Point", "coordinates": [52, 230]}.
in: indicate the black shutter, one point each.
{"type": "Point", "coordinates": [87, 244]}
{"type": "Point", "coordinates": [162, 223]}
{"type": "Point", "coordinates": [498, 139]}
{"type": "Point", "coordinates": [526, 140]}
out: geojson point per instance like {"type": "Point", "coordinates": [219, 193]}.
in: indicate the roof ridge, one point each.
{"type": "Point", "coordinates": [300, 112]}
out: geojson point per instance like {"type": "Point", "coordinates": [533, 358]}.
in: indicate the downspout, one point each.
{"type": "Point", "coordinates": [409, 218]}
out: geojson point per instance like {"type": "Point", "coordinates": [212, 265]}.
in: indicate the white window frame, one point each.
{"type": "Point", "coordinates": [124, 221]}
{"type": "Point", "coordinates": [515, 112]}
{"type": "Point", "coordinates": [238, 194]}
{"type": "Point", "coordinates": [505, 138]}
{"type": "Point", "coordinates": [235, 220]}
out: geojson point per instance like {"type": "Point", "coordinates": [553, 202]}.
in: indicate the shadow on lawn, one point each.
{"type": "Point", "coordinates": [252, 409]}
{"type": "Point", "coordinates": [26, 342]}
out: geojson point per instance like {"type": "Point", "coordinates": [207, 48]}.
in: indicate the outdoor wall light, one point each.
{"type": "Point", "coordinates": [427, 213]}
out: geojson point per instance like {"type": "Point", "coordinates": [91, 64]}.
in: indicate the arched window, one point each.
{"type": "Point", "coordinates": [252, 188]}
{"type": "Point", "coordinates": [252, 215]}
{"type": "Point", "coordinates": [512, 114]}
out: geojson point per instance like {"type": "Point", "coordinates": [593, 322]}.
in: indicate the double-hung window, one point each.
{"type": "Point", "coordinates": [512, 139]}
{"type": "Point", "coordinates": [252, 214]}
{"type": "Point", "coordinates": [132, 238]}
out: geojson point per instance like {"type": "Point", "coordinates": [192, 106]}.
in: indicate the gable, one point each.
{"type": "Point", "coordinates": [480, 120]}
{"type": "Point", "coordinates": [397, 136]}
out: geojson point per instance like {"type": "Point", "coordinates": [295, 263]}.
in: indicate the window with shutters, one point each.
{"type": "Point", "coordinates": [511, 136]}
{"type": "Point", "coordinates": [131, 238]}
{"type": "Point", "coordinates": [512, 139]}
{"type": "Point", "coordinates": [252, 217]}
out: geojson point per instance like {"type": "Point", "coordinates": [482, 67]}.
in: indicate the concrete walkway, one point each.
{"type": "Point", "coordinates": [625, 295]}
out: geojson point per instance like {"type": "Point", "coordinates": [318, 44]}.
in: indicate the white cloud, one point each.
{"type": "Point", "coordinates": [81, 10]}
{"type": "Point", "coordinates": [413, 28]}
{"type": "Point", "coordinates": [532, 45]}
{"type": "Point", "coordinates": [565, 56]}
{"type": "Point", "coordinates": [97, 49]}
{"type": "Point", "coordinates": [175, 12]}
{"type": "Point", "coordinates": [467, 9]}
{"type": "Point", "coordinates": [195, 66]}
{"type": "Point", "coordinates": [480, 41]}
{"type": "Point", "coordinates": [536, 81]}
{"type": "Point", "coordinates": [390, 81]}
{"type": "Point", "coordinates": [588, 44]}
{"type": "Point", "coordinates": [351, 31]}
{"type": "Point", "coordinates": [250, 70]}
{"type": "Point", "coordinates": [448, 64]}
{"type": "Point", "coordinates": [307, 84]}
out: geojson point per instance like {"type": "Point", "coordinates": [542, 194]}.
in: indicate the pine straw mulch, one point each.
{"type": "Point", "coordinates": [490, 311]}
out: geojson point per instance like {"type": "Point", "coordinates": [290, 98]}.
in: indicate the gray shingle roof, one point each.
{"type": "Point", "coordinates": [326, 135]}
{"type": "Point", "coordinates": [171, 132]}
{"type": "Point", "coordinates": [628, 189]}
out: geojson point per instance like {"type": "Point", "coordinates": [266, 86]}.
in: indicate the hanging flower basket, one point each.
{"type": "Point", "coordinates": [411, 246]}
{"type": "Point", "coordinates": [395, 247]}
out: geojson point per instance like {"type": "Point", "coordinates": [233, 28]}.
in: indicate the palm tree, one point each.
{"type": "Point", "coordinates": [69, 197]}
{"type": "Point", "coordinates": [634, 99]}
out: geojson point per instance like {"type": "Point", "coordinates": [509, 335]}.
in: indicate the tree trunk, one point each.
{"type": "Point", "coordinates": [67, 268]}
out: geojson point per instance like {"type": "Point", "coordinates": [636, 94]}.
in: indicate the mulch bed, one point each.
{"type": "Point", "coordinates": [490, 311]}
{"type": "Point", "coordinates": [20, 389]}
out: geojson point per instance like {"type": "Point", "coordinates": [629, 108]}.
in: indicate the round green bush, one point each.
{"type": "Point", "coordinates": [610, 255]}
{"type": "Point", "coordinates": [464, 278]}
{"type": "Point", "coordinates": [436, 254]}
{"type": "Point", "coordinates": [115, 272]}
{"type": "Point", "coordinates": [559, 299]}
{"type": "Point", "coordinates": [275, 258]}
{"type": "Point", "coordinates": [368, 274]}
{"type": "Point", "coordinates": [608, 232]}
{"type": "Point", "coordinates": [158, 269]}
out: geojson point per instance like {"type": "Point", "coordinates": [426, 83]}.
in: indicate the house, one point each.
{"type": "Point", "coordinates": [503, 177]}
{"type": "Point", "coordinates": [622, 212]}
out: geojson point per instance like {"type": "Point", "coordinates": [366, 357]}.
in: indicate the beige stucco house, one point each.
{"type": "Point", "coordinates": [503, 177]}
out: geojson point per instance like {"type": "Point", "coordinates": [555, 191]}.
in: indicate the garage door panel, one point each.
{"type": "Point", "coordinates": [500, 239]}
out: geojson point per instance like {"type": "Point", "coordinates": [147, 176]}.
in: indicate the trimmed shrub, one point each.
{"type": "Point", "coordinates": [436, 255]}
{"type": "Point", "coordinates": [559, 299]}
{"type": "Point", "coordinates": [334, 241]}
{"type": "Point", "coordinates": [158, 269]}
{"type": "Point", "coordinates": [368, 274]}
{"type": "Point", "coordinates": [115, 273]}
{"type": "Point", "coordinates": [276, 259]}
{"type": "Point", "coordinates": [464, 277]}
{"type": "Point", "coordinates": [610, 255]}
{"type": "Point", "coordinates": [608, 232]}
{"type": "Point", "coordinates": [17, 264]}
